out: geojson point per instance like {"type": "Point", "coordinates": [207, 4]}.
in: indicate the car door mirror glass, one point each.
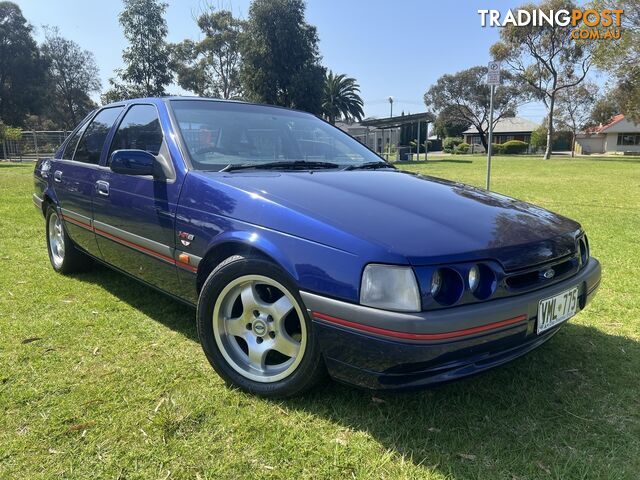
{"type": "Point", "coordinates": [132, 162]}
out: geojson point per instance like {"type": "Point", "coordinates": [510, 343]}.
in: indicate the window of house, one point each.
{"type": "Point", "coordinates": [629, 139]}
{"type": "Point", "coordinates": [91, 143]}
{"type": "Point", "coordinates": [139, 130]}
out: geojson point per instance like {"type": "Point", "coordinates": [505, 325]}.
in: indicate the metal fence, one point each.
{"type": "Point", "coordinates": [32, 145]}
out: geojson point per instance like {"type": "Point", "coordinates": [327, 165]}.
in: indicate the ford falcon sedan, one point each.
{"type": "Point", "coordinates": [304, 252]}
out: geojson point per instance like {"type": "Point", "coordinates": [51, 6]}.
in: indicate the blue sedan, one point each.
{"type": "Point", "coordinates": [303, 251]}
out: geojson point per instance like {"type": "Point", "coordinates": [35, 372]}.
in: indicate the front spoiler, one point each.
{"type": "Point", "coordinates": [390, 350]}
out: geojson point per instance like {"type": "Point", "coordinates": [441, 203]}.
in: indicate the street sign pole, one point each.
{"type": "Point", "coordinates": [493, 79]}
{"type": "Point", "coordinates": [490, 142]}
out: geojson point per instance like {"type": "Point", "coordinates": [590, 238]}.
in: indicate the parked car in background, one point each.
{"type": "Point", "coordinates": [303, 251]}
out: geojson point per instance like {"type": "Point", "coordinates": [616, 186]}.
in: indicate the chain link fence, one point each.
{"type": "Point", "coordinates": [32, 145]}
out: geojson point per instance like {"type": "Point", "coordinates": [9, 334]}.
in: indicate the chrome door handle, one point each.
{"type": "Point", "coordinates": [102, 187]}
{"type": "Point", "coordinates": [57, 176]}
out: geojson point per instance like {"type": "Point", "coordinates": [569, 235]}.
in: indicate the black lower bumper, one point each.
{"type": "Point", "coordinates": [386, 350]}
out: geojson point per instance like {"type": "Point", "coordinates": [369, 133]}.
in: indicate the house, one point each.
{"type": "Point", "coordinates": [390, 135]}
{"type": "Point", "coordinates": [507, 128]}
{"type": "Point", "coordinates": [618, 136]}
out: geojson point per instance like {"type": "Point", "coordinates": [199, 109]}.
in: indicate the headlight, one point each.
{"type": "Point", "coordinates": [474, 278]}
{"type": "Point", "coordinates": [390, 287]}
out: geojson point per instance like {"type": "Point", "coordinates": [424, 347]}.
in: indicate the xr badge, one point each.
{"type": "Point", "coordinates": [185, 238]}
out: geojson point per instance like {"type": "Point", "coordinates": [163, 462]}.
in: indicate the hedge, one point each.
{"type": "Point", "coordinates": [514, 146]}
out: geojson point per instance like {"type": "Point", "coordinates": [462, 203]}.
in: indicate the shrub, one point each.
{"type": "Point", "coordinates": [462, 148]}
{"type": "Point", "coordinates": [514, 146]}
{"type": "Point", "coordinates": [539, 138]}
{"type": "Point", "coordinates": [497, 148]}
{"type": "Point", "coordinates": [449, 143]}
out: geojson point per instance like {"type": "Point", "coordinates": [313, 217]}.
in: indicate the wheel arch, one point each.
{"type": "Point", "coordinates": [47, 199]}
{"type": "Point", "coordinates": [240, 244]}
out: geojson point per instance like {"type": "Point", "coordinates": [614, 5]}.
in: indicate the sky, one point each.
{"type": "Point", "coordinates": [395, 49]}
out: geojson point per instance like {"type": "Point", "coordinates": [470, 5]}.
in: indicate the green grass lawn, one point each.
{"type": "Point", "coordinates": [101, 377]}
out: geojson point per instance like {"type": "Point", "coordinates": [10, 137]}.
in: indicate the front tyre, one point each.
{"type": "Point", "coordinates": [255, 330]}
{"type": "Point", "coordinates": [64, 256]}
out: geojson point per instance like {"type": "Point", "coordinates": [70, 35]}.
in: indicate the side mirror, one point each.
{"type": "Point", "coordinates": [133, 162]}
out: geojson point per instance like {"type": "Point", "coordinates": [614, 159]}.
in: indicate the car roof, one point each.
{"type": "Point", "coordinates": [162, 100]}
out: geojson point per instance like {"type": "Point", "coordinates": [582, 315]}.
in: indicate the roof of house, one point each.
{"type": "Point", "coordinates": [602, 128]}
{"type": "Point", "coordinates": [509, 125]}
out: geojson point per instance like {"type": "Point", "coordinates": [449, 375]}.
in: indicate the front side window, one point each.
{"type": "Point", "coordinates": [218, 134]}
{"type": "Point", "coordinates": [91, 143]}
{"type": "Point", "coordinates": [139, 130]}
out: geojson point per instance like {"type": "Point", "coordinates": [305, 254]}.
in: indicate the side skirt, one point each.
{"type": "Point", "coordinates": [139, 280]}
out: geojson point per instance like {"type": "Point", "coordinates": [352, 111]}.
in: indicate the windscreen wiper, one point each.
{"type": "Point", "coordinates": [369, 166]}
{"type": "Point", "coordinates": [294, 165]}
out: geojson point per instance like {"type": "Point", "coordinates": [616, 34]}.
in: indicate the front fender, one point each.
{"type": "Point", "coordinates": [254, 240]}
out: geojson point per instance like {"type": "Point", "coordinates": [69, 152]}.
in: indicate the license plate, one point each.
{"type": "Point", "coordinates": [557, 309]}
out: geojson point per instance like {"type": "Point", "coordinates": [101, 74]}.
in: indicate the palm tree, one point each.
{"type": "Point", "coordinates": [341, 98]}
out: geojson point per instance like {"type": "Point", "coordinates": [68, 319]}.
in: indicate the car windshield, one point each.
{"type": "Point", "coordinates": [225, 134]}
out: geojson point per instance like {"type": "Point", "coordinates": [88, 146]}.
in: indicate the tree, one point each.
{"type": "Point", "coordinates": [465, 96]}
{"type": "Point", "coordinates": [544, 58]}
{"type": "Point", "coordinates": [621, 58]}
{"type": "Point", "coordinates": [341, 98]}
{"type": "Point", "coordinates": [603, 109]}
{"type": "Point", "coordinates": [22, 68]}
{"type": "Point", "coordinates": [281, 61]}
{"type": "Point", "coordinates": [211, 67]}
{"type": "Point", "coordinates": [574, 108]}
{"type": "Point", "coordinates": [146, 72]}
{"type": "Point", "coordinates": [539, 137]}
{"type": "Point", "coordinates": [449, 124]}
{"type": "Point", "coordinates": [72, 76]}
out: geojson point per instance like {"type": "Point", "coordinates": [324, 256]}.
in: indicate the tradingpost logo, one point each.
{"type": "Point", "coordinates": [585, 24]}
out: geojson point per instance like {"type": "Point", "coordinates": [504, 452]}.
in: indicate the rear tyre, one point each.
{"type": "Point", "coordinates": [64, 255]}
{"type": "Point", "coordinates": [255, 330]}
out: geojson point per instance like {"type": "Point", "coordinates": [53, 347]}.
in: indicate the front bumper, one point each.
{"type": "Point", "coordinates": [379, 349]}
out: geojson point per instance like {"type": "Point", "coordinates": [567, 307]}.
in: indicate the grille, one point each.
{"type": "Point", "coordinates": [535, 278]}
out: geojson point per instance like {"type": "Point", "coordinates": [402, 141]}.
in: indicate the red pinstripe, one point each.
{"type": "Point", "coordinates": [419, 336]}
{"type": "Point", "coordinates": [127, 243]}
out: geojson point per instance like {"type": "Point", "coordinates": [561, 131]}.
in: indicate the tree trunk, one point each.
{"type": "Point", "coordinates": [547, 152]}
{"type": "Point", "coordinates": [483, 138]}
{"type": "Point", "coordinates": [573, 144]}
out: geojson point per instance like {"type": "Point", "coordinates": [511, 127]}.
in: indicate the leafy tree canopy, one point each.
{"type": "Point", "coordinates": [281, 60]}
{"type": "Point", "coordinates": [574, 108]}
{"type": "Point", "coordinates": [449, 123]}
{"type": "Point", "coordinates": [603, 109]}
{"type": "Point", "coordinates": [72, 77]}
{"type": "Point", "coordinates": [545, 59]}
{"type": "Point", "coordinates": [22, 68]}
{"type": "Point", "coordinates": [211, 67]}
{"type": "Point", "coordinates": [621, 57]}
{"type": "Point", "coordinates": [146, 72]}
{"type": "Point", "coordinates": [465, 96]}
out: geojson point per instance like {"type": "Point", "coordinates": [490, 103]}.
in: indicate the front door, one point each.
{"type": "Point", "coordinates": [75, 174]}
{"type": "Point", "coordinates": [134, 216]}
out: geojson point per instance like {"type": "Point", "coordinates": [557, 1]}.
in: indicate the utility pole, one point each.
{"type": "Point", "coordinates": [391, 107]}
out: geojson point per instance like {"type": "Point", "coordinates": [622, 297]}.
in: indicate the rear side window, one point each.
{"type": "Point", "coordinates": [71, 144]}
{"type": "Point", "coordinates": [139, 130]}
{"type": "Point", "coordinates": [91, 143]}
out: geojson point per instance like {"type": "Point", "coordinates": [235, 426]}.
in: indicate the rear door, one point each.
{"type": "Point", "coordinates": [134, 216]}
{"type": "Point", "coordinates": [75, 175]}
